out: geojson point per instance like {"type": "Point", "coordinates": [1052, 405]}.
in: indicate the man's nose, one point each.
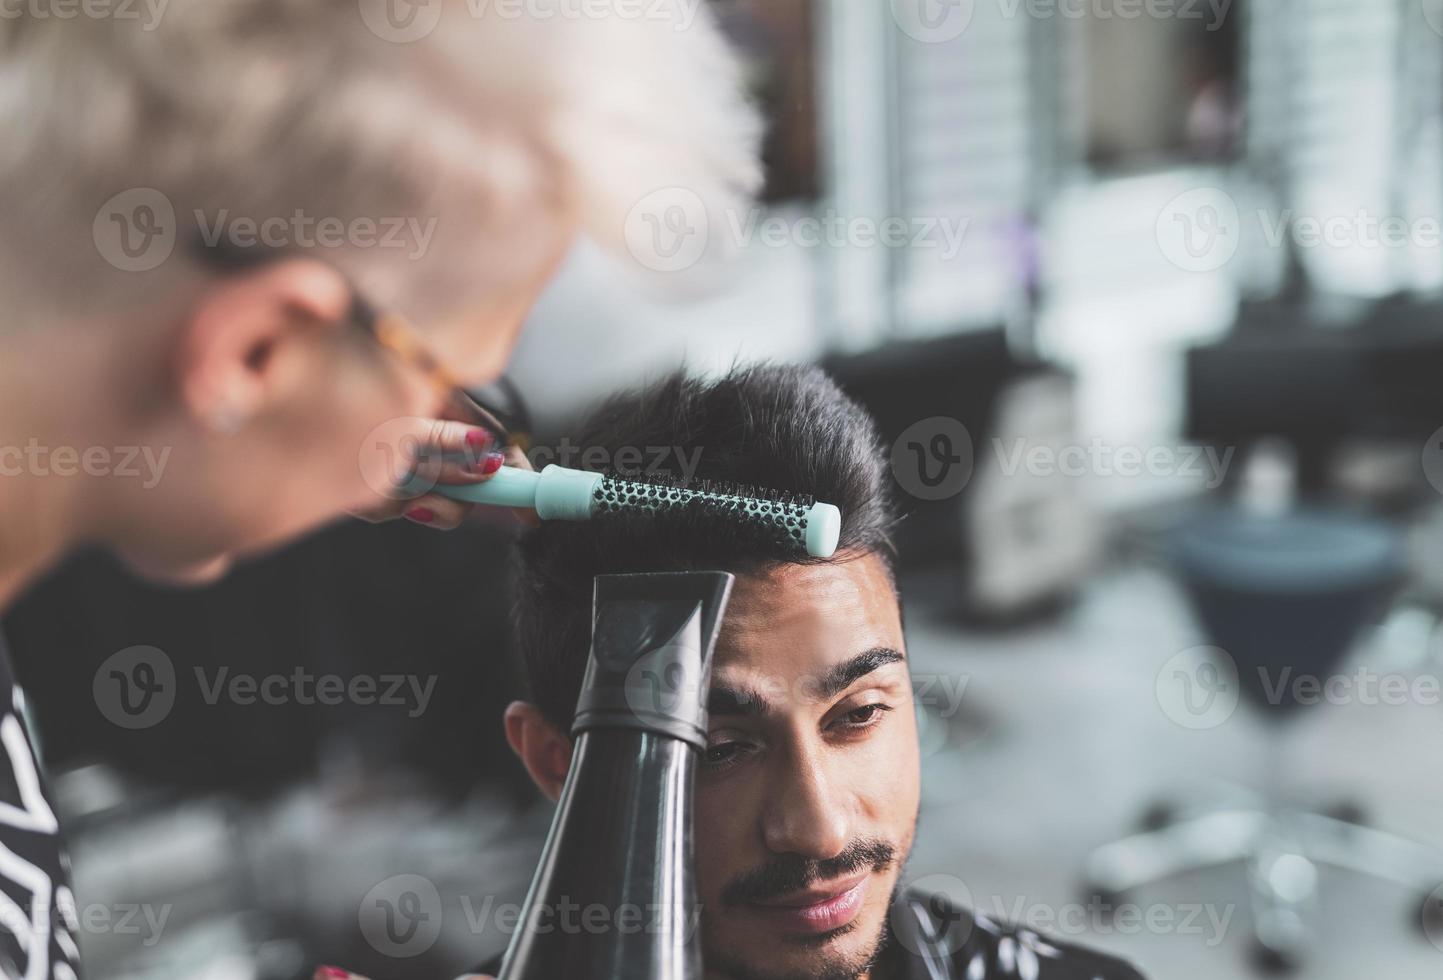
{"type": "Point", "coordinates": [807, 812]}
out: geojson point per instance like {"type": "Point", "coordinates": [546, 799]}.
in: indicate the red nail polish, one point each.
{"type": "Point", "coordinates": [478, 439]}
{"type": "Point", "coordinates": [421, 515]}
{"type": "Point", "coordinates": [492, 462]}
{"type": "Point", "coordinates": [332, 971]}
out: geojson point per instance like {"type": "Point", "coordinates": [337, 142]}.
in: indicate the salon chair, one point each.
{"type": "Point", "coordinates": [1275, 592]}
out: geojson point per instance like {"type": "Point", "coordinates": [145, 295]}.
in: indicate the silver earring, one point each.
{"type": "Point", "coordinates": [226, 419]}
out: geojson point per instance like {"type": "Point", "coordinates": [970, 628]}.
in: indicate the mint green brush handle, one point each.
{"type": "Point", "coordinates": [561, 494]}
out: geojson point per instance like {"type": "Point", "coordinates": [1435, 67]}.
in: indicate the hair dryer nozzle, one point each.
{"type": "Point", "coordinates": [651, 648]}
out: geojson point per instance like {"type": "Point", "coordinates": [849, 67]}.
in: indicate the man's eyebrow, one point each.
{"type": "Point", "coordinates": [750, 703]}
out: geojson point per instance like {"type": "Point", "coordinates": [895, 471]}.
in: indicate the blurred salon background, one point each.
{"type": "Point", "coordinates": [1147, 296]}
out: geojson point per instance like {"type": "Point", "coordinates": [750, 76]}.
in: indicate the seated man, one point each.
{"type": "Point", "coordinates": [807, 797]}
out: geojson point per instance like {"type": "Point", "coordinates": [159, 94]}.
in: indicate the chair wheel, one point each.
{"type": "Point", "coordinates": [1427, 917]}
{"type": "Point", "coordinates": [1273, 962]}
{"type": "Point", "coordinates": [1348, 811]}
{"type": "Point", "coordinates": [1157, 816]}
{"type": "Point", "coordinates": [1104, 900]}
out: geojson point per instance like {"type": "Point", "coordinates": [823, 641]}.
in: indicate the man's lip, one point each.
{"type": "Point", "coordinates": [817, 895]}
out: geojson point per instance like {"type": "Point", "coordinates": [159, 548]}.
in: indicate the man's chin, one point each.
{"type": "Point", "coordinates": [842, 954]}
{"type": "Point", "coordinates": [190, 574]}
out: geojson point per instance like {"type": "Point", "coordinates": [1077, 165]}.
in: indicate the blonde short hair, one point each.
{"type": "Point", "coordinates": [492, 122]}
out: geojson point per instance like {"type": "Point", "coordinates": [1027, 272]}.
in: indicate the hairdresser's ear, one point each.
{"type": "Point", "coordinates": [542, 748]}
{"type": "Point", "coordinates": [249, 338]}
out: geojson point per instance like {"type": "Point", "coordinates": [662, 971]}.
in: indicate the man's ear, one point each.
{"type": "Point", "coordinates": [242, 342]}
{"type": "Point", "coordinates": [543, 749]}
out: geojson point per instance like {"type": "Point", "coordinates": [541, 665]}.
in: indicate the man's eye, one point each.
{"type": "Point", "coordinates": [722, 754]}
{"type": "Point", "coordinates": [864, 717]}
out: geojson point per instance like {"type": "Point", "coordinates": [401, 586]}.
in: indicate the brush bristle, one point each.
{"type": "Point", "coordinates": [773, 516]}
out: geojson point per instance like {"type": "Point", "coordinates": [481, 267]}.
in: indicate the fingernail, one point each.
{"type": "Point", "coordinates": [332, 971]}
{"type": "Point", "coordinates": [478, 439]}
{"type": "Point", "coordinates": [492, 462]}
{"type": "Point", "coordinates": [421, 515]}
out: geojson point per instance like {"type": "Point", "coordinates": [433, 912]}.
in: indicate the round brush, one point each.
{"type": "Point", "coordinates": [563, 494]}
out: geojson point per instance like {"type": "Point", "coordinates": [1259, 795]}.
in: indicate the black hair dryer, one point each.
{"type": "Point", "coordinates": [614, 897]}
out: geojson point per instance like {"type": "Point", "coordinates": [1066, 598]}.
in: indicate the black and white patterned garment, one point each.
{"type": "Point", "coordinates": [934, 939]}
{"type": "Point", "coordinates": [38, 918]}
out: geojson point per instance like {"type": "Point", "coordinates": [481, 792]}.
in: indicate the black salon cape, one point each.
{"type": "Point", "coordinates": [934, 939]}
{"type": "Point", "coordinates": [38, 919]}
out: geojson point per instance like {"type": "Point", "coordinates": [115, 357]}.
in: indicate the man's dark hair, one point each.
{"type": "Point", "coordinates": [785, 428]}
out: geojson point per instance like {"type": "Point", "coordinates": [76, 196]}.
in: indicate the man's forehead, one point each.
{"type": "Point", "coordinates": [795, 619]}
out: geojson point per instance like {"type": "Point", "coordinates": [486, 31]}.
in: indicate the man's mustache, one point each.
{"type": "Point", "coordinates": [792, 872]}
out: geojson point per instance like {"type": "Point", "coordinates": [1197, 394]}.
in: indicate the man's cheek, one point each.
{"type": "Point", "coordinates": [714, 849]}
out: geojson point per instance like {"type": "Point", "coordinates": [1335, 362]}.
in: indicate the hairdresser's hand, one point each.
{"type": "Point", "coordinates": [430, 453]}
{"type": "Point", "coordinates": [336, 973]}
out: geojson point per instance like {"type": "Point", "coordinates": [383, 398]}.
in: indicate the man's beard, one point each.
{"type": "Point", "coordinates": [791, 873]}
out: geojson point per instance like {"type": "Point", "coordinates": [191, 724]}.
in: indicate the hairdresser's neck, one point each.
{"type": "Point", "coordinates": [45, 405]}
